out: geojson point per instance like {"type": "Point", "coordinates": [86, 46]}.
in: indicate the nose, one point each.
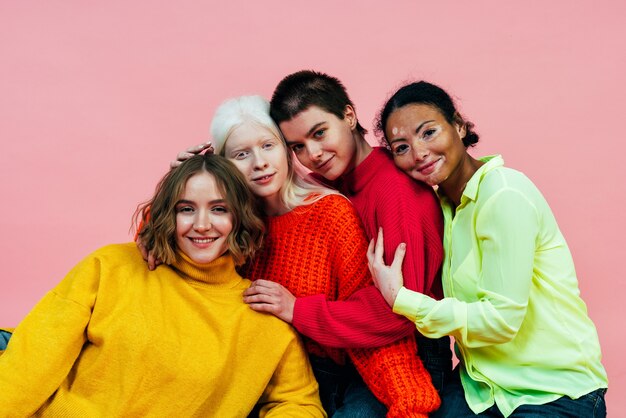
{"type": "Point", "coordinates": [314, 150]}
{"type": "Point", "coordinates": [259, 161]}
{"type": "Point", "coordinates": [419, 152]}
{"type": "Point", "coordinates": [203, 221]}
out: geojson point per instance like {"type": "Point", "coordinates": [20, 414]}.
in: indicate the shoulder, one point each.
{"type": "Point", "coordinates": [113, 256]}
{"type": "Point", "coordinates": [118, 253]}
{"type": "Point", "coordinates": [390, 180]}
{"type": "Point", "coordinates": [505, 180]}
{"type": "Point", "coordinates": [336, 209]}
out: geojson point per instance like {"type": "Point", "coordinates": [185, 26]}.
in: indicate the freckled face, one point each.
{"type": "Point", "coordinates": [203, 219]}
{"type": "Point", "coordinates": [424, 144]}
{"type": "Point", "coordinates": [322, 142]}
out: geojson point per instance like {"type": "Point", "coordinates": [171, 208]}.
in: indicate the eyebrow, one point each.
{"type": "Point", "coordinates": [417, 130]}
{"type": "Point", "coordinates": [309, 132]}
{"type": "Point", "coordinates": [189, 202]}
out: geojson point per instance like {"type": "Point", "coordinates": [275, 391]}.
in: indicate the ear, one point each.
{"type": "Point", "coordinates": [349, 114]}
{"type": "Point", "coordinates": [460, 125]}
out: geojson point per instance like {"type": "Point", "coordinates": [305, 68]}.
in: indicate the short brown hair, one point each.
{"type": "Point", "coordinates": [158, 215]}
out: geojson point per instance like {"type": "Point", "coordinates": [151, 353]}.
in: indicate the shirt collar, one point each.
{"type": "Point", "coordinates": [491, 162]}
{"type": "Point", "coordinates": [471, 188]}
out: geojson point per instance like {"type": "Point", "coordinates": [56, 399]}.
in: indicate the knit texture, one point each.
{"type": "Point", "coordinates": [114, 339]}
{"type": "Point", "coordinates": [320, 249]}
{"type": "Point", "coordinates": [409, 212]}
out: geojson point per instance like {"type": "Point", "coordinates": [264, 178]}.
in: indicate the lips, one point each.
{"type": "Point", "coordinates": [427, 168]}
{"type": "Point", "coordinates": [263, 179]}
{"type": "Point", "coordinates": [202, 242]}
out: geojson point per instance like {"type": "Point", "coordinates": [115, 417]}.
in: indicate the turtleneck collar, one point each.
{"type": "Point", "coordinates": [218, 273]}
{"type": "Point", "coordinates": [354, 181]}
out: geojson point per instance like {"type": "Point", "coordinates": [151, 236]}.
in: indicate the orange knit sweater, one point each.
{"type": "Point", "coordinates": [321, 249]}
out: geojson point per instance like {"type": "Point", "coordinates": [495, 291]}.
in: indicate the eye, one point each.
{"type": "Point", "coordinates": [429, 133]}
{"type": "Point", "coordinates": [268, 145]}
{"type": "Point", "coordinates": [219, 209]}
{"type": "Point", "coordinates": [400, 149]}
{"type": "Point", "coordinates": [184, 209]}
{"type": "Point", "coordinates": [296, 148]}
{"type": "Point", "coordinates": [240, 155]}
{"type": "Point", "coordinates": [319, 134]}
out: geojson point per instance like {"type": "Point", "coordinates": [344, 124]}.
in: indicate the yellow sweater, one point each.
{"type": "Point", "coordinates": [116, 340]}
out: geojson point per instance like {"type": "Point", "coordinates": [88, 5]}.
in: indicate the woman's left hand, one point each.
{"type": "Point", "coordinates": [268, 296]}
{"type": "Point", "coordinates": [388, 279]}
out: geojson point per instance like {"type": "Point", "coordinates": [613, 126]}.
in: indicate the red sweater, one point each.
{"type": "Point", "coordinates": [409, 212]}
{"type": "Point", "coordinates": [320, 249]}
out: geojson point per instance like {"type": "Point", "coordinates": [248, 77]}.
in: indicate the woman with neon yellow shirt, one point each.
{"type": "Point", "coordinates": [525, 342]}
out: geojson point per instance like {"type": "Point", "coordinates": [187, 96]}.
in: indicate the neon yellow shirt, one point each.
{"type": "Point", "coordinates": [511, 301]}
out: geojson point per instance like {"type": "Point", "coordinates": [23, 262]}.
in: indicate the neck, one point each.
{"type": "Point", "coordinates": [363, 148]}
{"type": "Point", "coordinates": [454, 185]}
{"type": "Point", "coordinates": [274, 206]}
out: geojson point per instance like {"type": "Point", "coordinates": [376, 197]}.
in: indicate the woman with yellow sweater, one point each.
{"type": "Point", "coordinates": [315, 252]}
{"type": "Point", "coordinates": [116, 339]}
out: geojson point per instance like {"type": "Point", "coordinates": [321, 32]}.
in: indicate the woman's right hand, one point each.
{"type": "Point", "coordinates": [388, 279]}
{"type": "Point", "coordinates": [190, 152]}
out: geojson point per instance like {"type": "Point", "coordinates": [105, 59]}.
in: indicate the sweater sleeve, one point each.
{"type": "Point", "coordinates": [410, 213]}
{"type": "Point", "coordinates": [506, 229]}
{"type": "Point", "coordinates": [292, 390]}
{"type": "Point", "coordinates": [45, 345]}
{"type": "Point", "coordinates": [396, 376]}
{"type": "Point", "coordinates": [361, 317]}
{"type": "Point", "coordinates": [393, 372]}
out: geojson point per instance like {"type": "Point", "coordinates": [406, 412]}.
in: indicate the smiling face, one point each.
{"type": "Point", "coordinates": [262, 158]}
{"type": "Point", "coordinates": [203, 219]}
{"type": "Point", "coordinates": [322, 142]}
{"type": "Point", "coordinates": [425, 145]}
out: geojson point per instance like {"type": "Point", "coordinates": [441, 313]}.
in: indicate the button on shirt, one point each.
{"type": "Point", "coordinates": [511, 301]}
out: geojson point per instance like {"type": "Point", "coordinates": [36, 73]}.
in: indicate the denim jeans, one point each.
{"type": "Point", "coordinates": [453, 404]}
{"type": "Point", "coordinates": [342, 391]}
{"type": "Point", "coordinates": [5, 336]}
{"type": "Point", "coordinates": [436, 356]}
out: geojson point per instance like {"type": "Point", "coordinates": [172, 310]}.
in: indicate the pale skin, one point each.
{"type": "Point", "coordinates": [340, 144]}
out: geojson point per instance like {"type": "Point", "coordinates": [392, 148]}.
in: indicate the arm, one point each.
{"type": "Point", "coordinates": [360, 318]}
{"type": "Point", "coordinates": [410, 213]}
{"type": "Point", "coordinates": [47, 342]}
{"type": "Point", "coordinates": [293, 390]}
{"type": "Point", "coordinates": [506, 229]}
{"type": "Point", "coordinates": [394, 372]}
{"type": "Point", "coordinates": [396, 376]}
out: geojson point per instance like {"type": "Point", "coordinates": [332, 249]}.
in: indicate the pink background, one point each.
{"type": "Point", "coordinates": [97, 97]}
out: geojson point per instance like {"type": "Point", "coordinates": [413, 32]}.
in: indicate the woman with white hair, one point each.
{"type": "Point", "coordinates": [314, 252]}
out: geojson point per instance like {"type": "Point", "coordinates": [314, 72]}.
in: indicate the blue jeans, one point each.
{"type": "Point", "coordinates": [5, 336]}
{"type": "Point", "coordinates": [342, 391]}
{"type": "Point", "coordinates": [453, 404]}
